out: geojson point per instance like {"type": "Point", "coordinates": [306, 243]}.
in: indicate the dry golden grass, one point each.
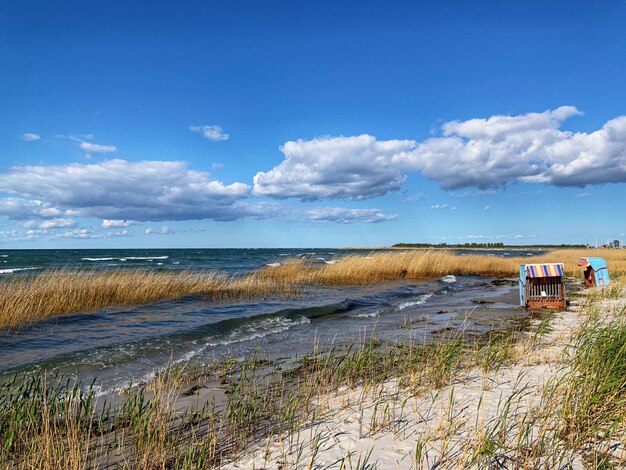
{"type": "Point", "coordinates": [428, 264]}
{"type": "Point", "coordinates": [27, 299]}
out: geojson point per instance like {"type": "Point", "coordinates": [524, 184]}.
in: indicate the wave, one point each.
{"type": "Point", "coordinates": [254, 330]}
{"type": "Point", "coordinates": [14, 270]}
{"type": "Point", "coordinates": [366, 315]}
{"type": "Point", "coordinates": [133, 258]}
{"type": "Point", "coordinates": [450, 278]}
{"type": "Point", "coordinates": [420, 301]}
{"type": "Point", "coordinates": [273, 265]}
{"type": "Point", "coordinates": [4, 256]}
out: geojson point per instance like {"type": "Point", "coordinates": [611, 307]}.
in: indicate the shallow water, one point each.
{"type": "Point", "coordinates": [121, 346]}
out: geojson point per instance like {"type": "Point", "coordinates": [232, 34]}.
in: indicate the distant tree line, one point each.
{"type": "Point", "coordinates": [495, 245]}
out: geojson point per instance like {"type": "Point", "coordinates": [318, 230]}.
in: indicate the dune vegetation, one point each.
{"type": "Point", "coordinates": [31, 298]}
{"type": "Point", "coordinates": [576, 413]}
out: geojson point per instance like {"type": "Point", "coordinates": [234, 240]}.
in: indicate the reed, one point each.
{"type": "Point", "coordinates": [27, 299]}
{"type": "Point", "coordinates": [428, 264]}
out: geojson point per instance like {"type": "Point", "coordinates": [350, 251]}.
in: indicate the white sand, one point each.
{"type": "Point", "coordinates": [387, 425]}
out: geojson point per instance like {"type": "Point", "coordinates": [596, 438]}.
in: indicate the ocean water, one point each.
{"type": "Point", "coordinates": [118, 346]}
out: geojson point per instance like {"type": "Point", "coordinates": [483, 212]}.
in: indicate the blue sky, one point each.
{"type": "Point", "coordinates": [290, 124]}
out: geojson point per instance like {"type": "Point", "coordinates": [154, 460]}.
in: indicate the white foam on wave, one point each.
{"type": "Point", "coordinates": [413, 303]}
{"type": "Point", "coordinates": [273, 265]}
{"type": "Point", "coordinates": [4, 256]}
{"type": "Point", "coordinates": [14, 270]}
{"type": "Point", "coordinates": [450, 278]}
{"type": "Point", "coordinates": [133, 258]}
{"type": "Point", "coordinates": [366, 315]}
{"type": "Point", "coordinates": [257, 330]}
{"type": "Point", "coordinates": [332, 261]}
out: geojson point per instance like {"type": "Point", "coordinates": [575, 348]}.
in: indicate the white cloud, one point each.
{"type": "Point", "coordinates": [30, 137]}
{"type": "Point", "coordinates": [118, 233]}
{"type": "Point", "coordinates": [81, 233]}
{"type": "Point", "coordinates": [415, 198]}
{"type": "Point", "coordinates": [14, 235]}
{"type": "Point", "coordinates": [96, 148]}
{"type": "Point", "coordinates": [529, 148]}
{"type": "Point", "coordinates": [335, 168]}
{"type": "Point", "coordinates": [20, 209]}
{"type": "Point", "coordinates": [583, 196]}
{"type": "Point", "coordinates": [484, 153]}
{"type": "Point", "coordinates": [56, 223]}
{"type": "Point", "coordinates": [121, 190]}
{"type": "Point", "coordinates": [214, 133]}
{"type": "Point", "coordinates": [164, 230]}
{"type": "Point", "coordinates": [112, 223]}
{"type": "Point", "coordinates": [443, 206]}
{"type": "Point", "coordinates": [486, 208]}
{"type": "Point", "coordinates": [217, 165]}
{"type": "Point", "coordinates": [348, 216]}
{"type": "Point", "coordinates": [76, 137]}
{"type": "Point", "coordinates": [274, 211]}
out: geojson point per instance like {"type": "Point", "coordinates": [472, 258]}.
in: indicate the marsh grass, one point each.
{"type": "Point", "coordinates": [27, 299]}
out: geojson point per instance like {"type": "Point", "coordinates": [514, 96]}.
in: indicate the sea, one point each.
{"type": "Point", "coordinates": [117, 347]}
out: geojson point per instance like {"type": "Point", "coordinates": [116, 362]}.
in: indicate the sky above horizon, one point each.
{"type": "Point", "coordinates": [310, 124]}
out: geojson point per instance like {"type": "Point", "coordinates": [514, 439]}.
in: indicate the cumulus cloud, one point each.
{"type": "Point", "coordinates": [79, 233]}
{"type": "Point", "coordinates": [20, 209]}
{"type": "Point", "coordinates": [484, 153]}
{"type": "Point", "coordinates": [348, 216]}
{"type": "Point", "coordinates": [214, 133]}
{"type": "Point", "coordinates": [335, 168]}
{"type": "Point", "coordinates": [342, 215]}
{"type": "Point", "coordinates": [164, 230]}
{"type": "Point", "coordinates": [121, 190]}
{"type": "Point", "coordinates": [443, 207]}
{"type": "Point", "coordinates": [56, 223]}
{"type": "Point", "coordinates": [531, 148]}
{"type": "Point", "coordinates": [118, 233]}
{"type": "Point", "coordinates": [112, 223]}
{"type": "Point", "coordinates": [96, 148]}
{"type": "Point", "coordinates": [30, 137]}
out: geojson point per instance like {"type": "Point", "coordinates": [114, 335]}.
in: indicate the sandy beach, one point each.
{"type": "Point", "coordinates": [484, 418]}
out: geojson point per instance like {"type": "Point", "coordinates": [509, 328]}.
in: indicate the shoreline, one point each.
{"type": "Point", "coordinates": [483, 416]}
{"type": "Point", "coordinates": [453, 402]}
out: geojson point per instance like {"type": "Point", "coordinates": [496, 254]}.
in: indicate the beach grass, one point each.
{"type": "Point", "coordinates": [46, 422]}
